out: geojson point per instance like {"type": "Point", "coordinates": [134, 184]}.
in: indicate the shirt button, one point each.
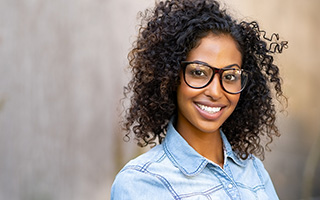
{"type": "Point", "coordinates": [230, 186]}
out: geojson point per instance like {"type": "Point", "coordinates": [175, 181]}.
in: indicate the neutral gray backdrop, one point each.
{"type": "Point", "coordinates": [62, 70]}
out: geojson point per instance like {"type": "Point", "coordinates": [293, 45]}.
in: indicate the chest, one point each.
{"type": "Point", "coordinates": [215, 183]}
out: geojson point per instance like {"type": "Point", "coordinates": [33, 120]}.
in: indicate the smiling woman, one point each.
{"type": "Point", "coordinates": [201, 86]}
{"type": "Point", "coordinates": [202, 111]}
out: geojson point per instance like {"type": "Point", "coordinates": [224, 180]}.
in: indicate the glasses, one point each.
{"type": "Point", "coordinates": [199, 74]}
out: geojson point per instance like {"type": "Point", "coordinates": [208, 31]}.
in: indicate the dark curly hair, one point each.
{"type": "Point", "coordinates": [166, 35]}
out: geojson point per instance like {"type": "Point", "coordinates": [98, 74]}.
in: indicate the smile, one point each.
{"type": "Point", "coordinates": [208, 109]}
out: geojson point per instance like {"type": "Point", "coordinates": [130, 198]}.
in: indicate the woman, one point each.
{"type": "Point", "coordinates": [201, 88]}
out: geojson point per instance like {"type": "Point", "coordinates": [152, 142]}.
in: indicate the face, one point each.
{"type": "Point", "coordinates": [205, 110]}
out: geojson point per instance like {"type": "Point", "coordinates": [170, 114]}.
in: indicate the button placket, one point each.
{"type": "Point", "coordinates": [226, 178]}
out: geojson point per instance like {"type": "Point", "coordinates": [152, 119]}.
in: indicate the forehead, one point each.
{"type": "Point", "coordinates": [216, 50]}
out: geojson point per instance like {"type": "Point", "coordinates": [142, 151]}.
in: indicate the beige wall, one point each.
{"type": "Point", "coordinates": [62, 69]}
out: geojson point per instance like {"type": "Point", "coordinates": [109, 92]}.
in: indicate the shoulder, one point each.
{"type": "Point", "coordinates": [261, 170]}
{"type": "Point", "coordinates": [132, 183]}
{"type": "Point", "coordinates": [264, 177]}
{"type": "Point", "coordinates": [142, 162]}
{"type": "Point", "coordinates": [137, 181]}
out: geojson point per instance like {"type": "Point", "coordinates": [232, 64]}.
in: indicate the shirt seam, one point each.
{"type": "Point", "coordinates": [258, 172]}
{"type": "Point", "coordinates": [143, 169]}
{"type": "Point", "coordinates": [204, 193]}
{"type": "Point", "coordinates": [182, 169]}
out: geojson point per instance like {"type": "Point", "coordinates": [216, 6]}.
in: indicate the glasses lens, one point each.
{"type": "Point", "coordinates": [234, 80]}
{"type": "Point", "coordinates": [197, 75]}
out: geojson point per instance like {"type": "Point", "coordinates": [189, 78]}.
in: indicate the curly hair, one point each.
{"type": "Point", "coordinates": [166, 35]}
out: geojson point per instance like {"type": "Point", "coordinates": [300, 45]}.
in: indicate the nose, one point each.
{"type": "Point", "coordinates": [214, 89]}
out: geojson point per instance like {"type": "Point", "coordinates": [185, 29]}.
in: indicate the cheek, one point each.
{"type": "Point", "coordinates": [234, 99]}
{"type": "Point", "coordinates": [184, 92]}
{"type": "Point", "coordinates": [181, 89]}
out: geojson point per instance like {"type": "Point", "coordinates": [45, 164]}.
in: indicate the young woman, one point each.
{"type": "Point", "coordinates": [201, 88]}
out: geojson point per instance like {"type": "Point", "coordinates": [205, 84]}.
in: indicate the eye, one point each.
{"type": "Point", "coordinates": [198, 73]}
{"type": "Point", "coordinates": [232, 75]}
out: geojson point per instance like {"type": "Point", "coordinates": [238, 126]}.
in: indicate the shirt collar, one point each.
{"type": "Point", "coordinates": [189, 161]}
{"type": "Point", "coordinates": [230, 153]}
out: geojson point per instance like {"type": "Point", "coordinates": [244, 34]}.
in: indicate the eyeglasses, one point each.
{"type": "Point", "coordinates": [199, 74]}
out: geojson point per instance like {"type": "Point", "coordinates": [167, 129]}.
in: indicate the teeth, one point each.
{"type": "Point", "coordinates": [208, 109]}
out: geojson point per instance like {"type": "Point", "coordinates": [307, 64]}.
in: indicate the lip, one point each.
{"type": "Point", "coordinates": [209, 116]}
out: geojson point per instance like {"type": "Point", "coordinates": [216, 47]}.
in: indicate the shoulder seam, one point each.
{"type": "Point", "coordinates": [144, 169]}
{"type": "Point", "coordinates": [255, 164]}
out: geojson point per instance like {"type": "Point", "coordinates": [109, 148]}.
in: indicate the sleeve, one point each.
{"type": "Point", "coordinates": [135, 185]}
{"type": "Point", "coordinates": [269, 188]}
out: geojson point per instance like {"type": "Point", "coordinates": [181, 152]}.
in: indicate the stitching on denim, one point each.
{"type": "Point", "coordinates": [204, 162]}
{"type": "Point", "coordinates": [229, 170]}
{"type": "Point", "coordinates": [248, 188]}
{"type": "Point", "coordinates": [252, 189]}
{"type": "Point", "coordinates": [258, 171]}
{"type": "Point", "coordinates": [145, 166]}
{"type": "Point", "coordinates": [214, 189]}
{"type": "Point", "coordinates": [205, 193]}
{"type": "Point", "coordinates": [161, 178]}
{"type": "Point", "coordinates": [166, 183]}
{"type": "Point", "coordinates": [133, 167]}
{"type": "Point", "coordinates": [258, 187]}
{"type": "Point", "coordinates": [161, 157]}
{"type": "Point", "coordinates": [219, 178]}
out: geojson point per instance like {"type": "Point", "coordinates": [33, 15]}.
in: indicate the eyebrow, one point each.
{"type": "Point", "coordinates": [226, 67]}
{"type": "Point", "coordinates": [231, 66]}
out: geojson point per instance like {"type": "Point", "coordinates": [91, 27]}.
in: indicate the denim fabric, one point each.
{"type": "Point", "coordinates": [174, 170]}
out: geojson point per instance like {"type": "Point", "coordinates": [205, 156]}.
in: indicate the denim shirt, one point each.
{"type": "Point", "coordinates": [174, 170]}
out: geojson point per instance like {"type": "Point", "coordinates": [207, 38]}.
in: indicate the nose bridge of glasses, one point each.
{"type": "Point", "coordinates": [217, 71]}
{"type": "Point", "coordinates": [216, 80]}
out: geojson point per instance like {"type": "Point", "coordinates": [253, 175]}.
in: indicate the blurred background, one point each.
{"type": "Point", "coordinates": [62, 72]}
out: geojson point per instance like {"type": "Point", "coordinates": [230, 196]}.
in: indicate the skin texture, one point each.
{"type": "Point", "coordinates": [200, 128]}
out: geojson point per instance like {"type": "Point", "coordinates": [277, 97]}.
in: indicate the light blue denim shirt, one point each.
{"type": "Point", "coordinates": [174, 170]}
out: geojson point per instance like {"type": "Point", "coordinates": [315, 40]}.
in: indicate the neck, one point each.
{"type": "Point", "coordinates": [209, 145]}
